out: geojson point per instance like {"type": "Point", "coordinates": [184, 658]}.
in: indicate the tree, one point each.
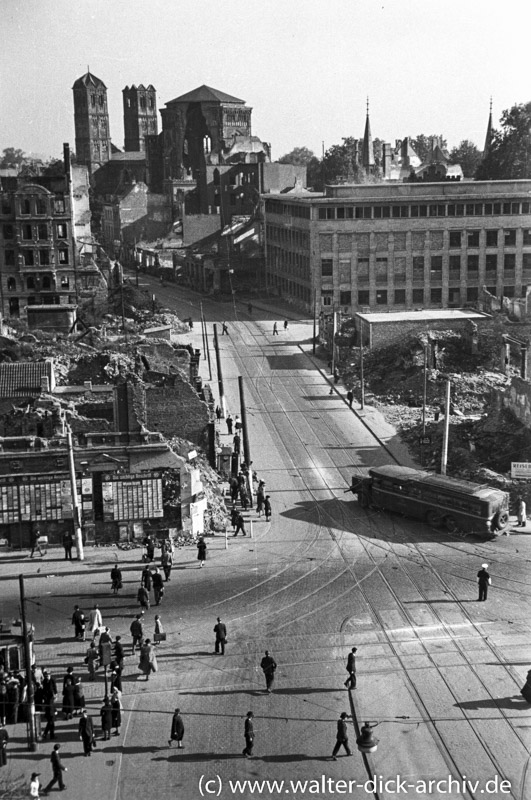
{"type": "Point", "coordinates": [422, 145]}
{"type": "Point", "coordinates": [300, 156]}
{"type": "Point", "coordinates": [468, 156]}
{"type": "Point", "coordinates": [12, 158]}
{"type": "Point", "coordinates": [340, 162]}
{"type": "Point", "coordinates": [509, 155]}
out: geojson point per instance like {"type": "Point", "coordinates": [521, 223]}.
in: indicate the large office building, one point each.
{"type": "Point", "coordinates": [400, 246]}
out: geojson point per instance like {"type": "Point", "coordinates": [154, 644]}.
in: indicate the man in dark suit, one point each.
{"type": "Point", "coordinates": [269, 666]}
{"type": "Point", "coordinates": [58, 769]}
{"type": "Point", "coordinates": [341, 736]}
{"type": "Point", "coordinates": [483, 582]}
{"type": "Point", "coordinates": [220, 629]}
{"type": "Point", "coordinates": [249, 735]}
{"type": "Point", "coordinates": [351, 669]}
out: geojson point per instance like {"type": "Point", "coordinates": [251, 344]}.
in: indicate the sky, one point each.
{"type": "Point", "coordinates": [306, 67]}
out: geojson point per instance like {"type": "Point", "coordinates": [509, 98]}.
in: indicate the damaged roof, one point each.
{"type": "Point", "coordinates": [25, 377]}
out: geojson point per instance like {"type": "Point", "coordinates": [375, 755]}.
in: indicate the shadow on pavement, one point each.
{"type": "Point", "coordinates": [514, 702]}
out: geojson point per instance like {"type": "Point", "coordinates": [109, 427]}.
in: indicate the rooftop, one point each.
{"type": "Point", "coordinates": [424, 315]}
{"type": "Point", "coordinates": [205, 94]}
{"type": "Point", "coordinates": [24, 377]}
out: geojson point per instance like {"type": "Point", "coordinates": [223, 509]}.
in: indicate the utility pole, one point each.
{"type": "Point", "coordinates": [203, 322]}
{"type": "Point", "coordinates": [202, 329]}
{"type": "Point", "coordinates": [334, 331]}
{"type": "Point", "coordinates": [314, 320]}
{"type": "Point", "coordinates": [76, 514]}
{"type": "Point", "coordinates": [424, 398]}
{"type": "Point", "coordinates": [32, 738]}
{"type": "Point", "coordinates": [444, 455]}
{"type": "Point", "coordinates": [220, 374]}
{"type": "Point", "coordinates": [245, 430]}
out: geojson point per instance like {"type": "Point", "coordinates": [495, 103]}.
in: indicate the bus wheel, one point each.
{"type": "Point", "coordinates": [500, 520]}
{"type": "Point", "coordinates": [451, 524]}
{"type": "Point", "coordinates": [433, 519]}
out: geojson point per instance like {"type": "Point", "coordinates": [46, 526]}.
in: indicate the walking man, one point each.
{"type": "Point", "coordinates": [68, 543]}
{"type": "Point", "coordinates": [249, 735]}
{"type": "Point", "coordinates": [286, 324]}
{"type": "Point", "coordinates": [350, 397]}
{"type": "Point", "coordinates": [275, 329]}
{"type": "Point", "coordinates": [224, 329]}
{"type": "Point", "coordinates": [522, 513]}
{"type": "Point", "coordinates": [78, 621]}
{"type": "Point", "coordinates": [57, 768]}
{"type": "Point", "coordinates": [240, 525]}
{"type": "Point", "coordinates": [269, 666]}
{"type": "Point", "coordinates": [351, 669]}
{"type": "Point", "coordinates": [35, 536]}
{"type": "Point", "coordinates": [484, 582]}
{"type": "Point", "coordinates": [86, 733]}
{"type": "Point", "coordinates": [95, 621]}
{"type": "Point", "coordinates": [341, 736]}
{"type": "Point", "coordinates": [158, 586]}
{"type": "Point", "coordinates": [220, 629]}
{"type": "Point", "coordinates": [137, 631]}
{"type": "Point", "coordinates": [167, 563]}
{"type": "Point", "coordinates": [229, 424]}
{"type": "Point", "coordinates": [177, 729]}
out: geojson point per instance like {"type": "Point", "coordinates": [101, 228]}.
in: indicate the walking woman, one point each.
{"type": "Point", "coordinates": [91, 660]}
{"type": "Point", "coordinates": [201, 551]}
{"type": "Point", "coordinates": [148, 659]}
{"type": "Point", "coordinates": [117, 708]}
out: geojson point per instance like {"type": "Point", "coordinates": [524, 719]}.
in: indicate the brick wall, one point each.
{"type": "Point", "coordinates": [517, 399]}
{"type": "Point", "coordinates": [385, 333]}
{"type": "Point", "coordinates": [173, 410]}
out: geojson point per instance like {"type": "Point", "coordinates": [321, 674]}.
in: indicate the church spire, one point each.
{"type": "Point", "coordinates": [367, 150]}
{"type": "Point", "coordinates": [488, 137]}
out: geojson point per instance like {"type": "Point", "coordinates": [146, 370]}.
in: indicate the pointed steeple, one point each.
{"type": "Point", "coordinates": [367, 150]}
{"type": "Point", "coordinates": [488, 137]}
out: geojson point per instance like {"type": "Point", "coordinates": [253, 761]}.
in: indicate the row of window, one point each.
{"type": "Point", "coordinates": [435, 264]}
{"type": "Point", "coordinates": [418, 240]}
{"type": "Point", "coordinates": [31, 258]}
{"type": "Point", "coordinates": [407, 210]}
{"type": "Point", "coordinates": [292, 237]}
{"type": "Point", "coordinates": [288, 209]}
{"type": "Point", "coordinates": [31, 232]}
{"type": "Point", "coordinates": [34, 206]}
{"type": "Point", "coordinates": [40, 282]}
{"type": "Point", "coordinates": [398, 297]}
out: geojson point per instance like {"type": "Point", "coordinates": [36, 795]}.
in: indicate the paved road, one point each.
{"type": "Point", "coordinates": [440, 672]}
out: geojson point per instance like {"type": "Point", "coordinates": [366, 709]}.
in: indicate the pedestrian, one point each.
{"type": "Point", "coordinates": [146, 579]}
{"type": "Point", "coordinates": [248, 732]}
{"type": "Point", "coordinates": [350, 397]}
{"type": "Point", "coordinates": [285, 324]}
{"type": "Point", "coordinates": [218, 413]}
{"type": "Point", "coordinates": [236, 444]}
{"type": "Point", "coordinates": [95, 622]}
{"type": "Point", "coordinates": [68, 543]}
{"type": "Point", "coordinates": [106, 718]}
{"type": "Point", "coordinates": [341, 736]}
{"type": "Point", "coordinates": [142, 596]}
{"type": "Point", "coordinates": [526, 689]}
{"type": "Point", "coordinates": [269, 666]}
{"type": "Point", "coordinates": [229, 422]}
{"type": "Point", "coordinates": [167, 563]}
{"type": "Point", "coordinates": [522, 513]}
{"type": "Point", "coordinates": [177, 729]}
{"type": "Point", "coordinates": [190, 324]}
{"type": "Point", "coordinates": [68, 699]}
{"type": "Point", "coordinates": [48, 709]}
{"type": "Point", "coordinates": [260, 499]}
{"type": "Point", "coordinates": [267, 508]}
{"type": "Point", "coordinates": [57, 769]}
{"type": "Point", "coordinates": [149, 544]}
{"type": "Point", "coordinates": [86, 732]}
{"type": "Point", "coordinates": [35, 544]}
{"type": "Point", "coordinates": [224, 330]}
{"type": "Point", "coordinates": [484, 582]}
{"type": "Point", "coordinates": [351, 669]}
{"type": "Point", "coordinates": [79, 696]}
{"type": "Point", "coordinates": [158, 586]}
{"type": "Point", "coordinates": [158, 633]}
{"type": "Point", "coordinates": [4, 739]}
{"type": "Point", "coordinates": [275, 329]}
{"type": "Point", "coordinates": [238, 424]}
{"type": "Point", "coordinates": [201, 551]}
{"type": "Point", "coordinates": [116, 579]}
{"type": "Point", "coordinates": [92, 660]}
{"type": "Point", "coordinates": [220, 629]}
{"type": "Point", "coordinates": [244, 497]}
{"type": "Point", "coordinates": [13, 699]}
{"type": "Point", "coordinates": [234, 488]}
{"type": "Point", "coordinates": [119, 653]}
{"type": "Point", "coordinates": [78, 621]}
{"type": "Point", "coordinates": [336, 375]}
{"type": "Point", "coordinates": [49, 685]}
{"type": "Point", "coordinates": [117, 708]}
{"type": "Point", "coordinates": [137, 631]}
{"type": "Point", "coordinates": [35, 785]}
{"type": "Point", "coordinates": [148, 659]}
{"type": "Point", "coordinates": [240, 524]}
{"type": "Point", "coordinates": [116, 679]}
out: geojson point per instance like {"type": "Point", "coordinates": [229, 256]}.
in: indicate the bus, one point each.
{"type": "Point", "coordinates": [455, 504]}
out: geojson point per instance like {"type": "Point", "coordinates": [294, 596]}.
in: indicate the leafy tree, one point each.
{"type": "Point", "coordinates": [509, 156]}
{"type": "Point", "coordinates": [314, 174]}
{"type": "Point", "coordinates": [12, 158]}
{"type": "Point", "coordinates": [468, 156]}
{"type": "Point", "coordinates": [340, 162]}
{"type": "Point", "coordinates": [300, 156]}
{"type": "Point", "coordinates": [422, 145]}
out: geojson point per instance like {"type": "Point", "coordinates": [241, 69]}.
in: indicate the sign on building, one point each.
{"type": "Point", "coordinates": [32, 499]}
{"type": "Point", "coordinates": [130, 497]}
{"type": "Point", "coordinates": [521, 469]}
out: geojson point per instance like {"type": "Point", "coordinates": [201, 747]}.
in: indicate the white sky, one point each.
{"type": "Point", "coordinates": [304, 66]}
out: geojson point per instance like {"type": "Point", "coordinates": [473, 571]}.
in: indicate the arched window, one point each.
{"type": "Point", "coordinates": [11, 285]}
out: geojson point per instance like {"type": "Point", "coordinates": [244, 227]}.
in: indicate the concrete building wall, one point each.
{"type": "Point", "coordinates": [173, 410]}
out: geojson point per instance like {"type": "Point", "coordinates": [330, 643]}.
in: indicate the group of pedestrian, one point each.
{"type": "Point", "coordinates": [151, 580]}
{"type": "Point", "coordinates": [275, 327]}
